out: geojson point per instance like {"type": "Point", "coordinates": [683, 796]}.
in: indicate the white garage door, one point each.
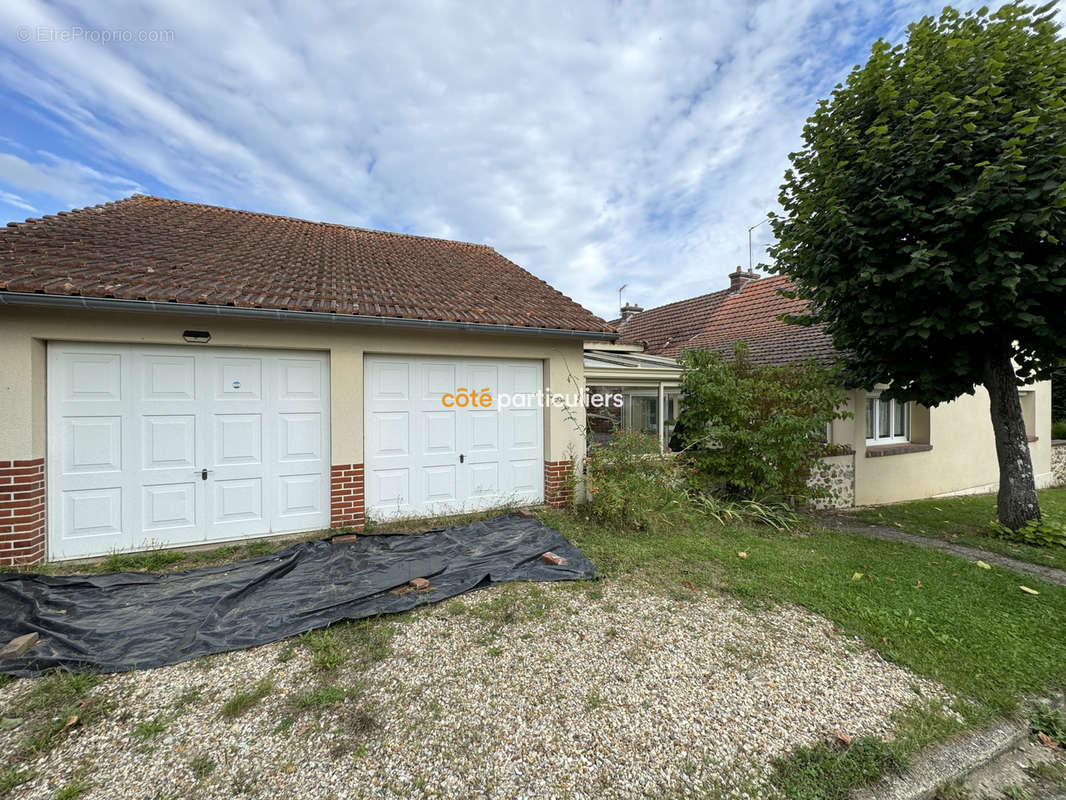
{"type": "Point", "coordinates": [426, 453]}
{"type": "Point", "coordinates": [155, 446]}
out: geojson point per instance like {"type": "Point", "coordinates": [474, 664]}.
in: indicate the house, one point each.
{"type": "Point", "coordinates": [174, 373]}
{"type": "Point", "coordinates": [891, 451]}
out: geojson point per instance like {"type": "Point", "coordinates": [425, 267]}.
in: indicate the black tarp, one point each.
{"type": "Point", "coordinates": [134, 620]}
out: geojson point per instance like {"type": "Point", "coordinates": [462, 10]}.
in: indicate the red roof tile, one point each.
{"type": "Point", "coordinates": [150, 248]}
{"type": "Point", "coordinates": [718, 319]}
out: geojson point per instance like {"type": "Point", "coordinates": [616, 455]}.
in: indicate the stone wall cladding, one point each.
{"type": "Point", "coordinates": [837, 474]}
{"type": "Point", "coordinates": [558, 485]}
{"type": "Point", "coordinates": [22, 524]}
{"type": "Point", "coordinates": [1058, 462]}
{"type": "Point", "coordinates": [347, 509]}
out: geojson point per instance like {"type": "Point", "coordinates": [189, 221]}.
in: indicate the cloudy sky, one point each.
{"type": "Point", "coordinates": [595, 143]}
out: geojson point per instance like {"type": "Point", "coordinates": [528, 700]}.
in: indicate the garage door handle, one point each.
{"type": "Point", "coordinates": [461, 457]}
{"type": "Point", "coordinates": [203, 474]}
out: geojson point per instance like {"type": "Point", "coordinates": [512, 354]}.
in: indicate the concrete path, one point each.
{"type": "Point", "coordinates": [849, 524]}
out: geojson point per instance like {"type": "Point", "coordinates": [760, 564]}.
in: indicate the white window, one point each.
{"type": "Point", "coordinates": [887, 421]}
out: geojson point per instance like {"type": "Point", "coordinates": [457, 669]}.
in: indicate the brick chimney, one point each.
{"type": "Point", "coordinates": [741, 278]}
{"type": "Point", "coordinates": [629, 309]}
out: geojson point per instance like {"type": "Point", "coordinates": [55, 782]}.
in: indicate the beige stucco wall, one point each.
{"type": "Point", "coordinates": [963, 455]}
{"type": "Point", "coordinates": [24, 333]}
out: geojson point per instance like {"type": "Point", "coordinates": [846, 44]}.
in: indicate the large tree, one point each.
{"type": "Point", "coordinates": [925, 219]}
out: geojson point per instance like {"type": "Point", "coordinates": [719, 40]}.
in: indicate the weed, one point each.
{"type": "Point", "coordinates": [246, 698]}
{"type": "Point", "coordinates": [261, 549]}
{"type": "Point", "coordinates": [57, 702]}
{"type": "Point", "coordinates": [5, 679]}
{"type": "Point", "coordinates": [1049, 721]}
{"type": "Point", "coordinates": [243, 782]}
{"type": "Point", "coordinates": [323, 697]}
{"type": "Point", "coordinates": [287, 652]}
{"type": "Point", "coordinates": [208, 662]}
{"type": "Point", "coordinates": [594, 700]}
{"type": "Point", "coordinates": [152, 727]}
{"type": "Point", "coordinates": [216, 555]}
{"type": "Point", "coordinates": [76, 787]}
{"type": "Point", "coordinates": [326, 653]}
{"type": "Point", "coordinates": [951, 790]}
{"type": "Point", "coordinates": [1050, 772]}
{"type": "Point", "coordinates": [13, 777]}
{"type": "Point", "coordinates": [202, 766]}
{"type": "Point", "coordinates": [152, 561]}
{"type": "Point", "coordinates": [284, 724]}
{"type": "Point", "coordinates": [188, 697]}
{"type": "Point", "coordinates": [1016, 792]}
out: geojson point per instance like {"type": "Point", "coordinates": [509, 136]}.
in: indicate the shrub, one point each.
{"type": "Point", "coordinates": [757, 431]}
{"type": "Point", "coordinates": [1042, 532]}
{"type": "Point", "coordinates": [1058, 429]}
{"type": "Point", "coordinates": [1049, 721]}
{"type": "Point", "coordinates": [629, 483]}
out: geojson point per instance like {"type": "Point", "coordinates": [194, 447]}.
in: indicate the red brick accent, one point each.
{"type": "Point", "coordinates": [346, 496]}
{"type": "Point", "coordinates": [558, 490]}
{"type": "Point", "coordinates": [22, 531]}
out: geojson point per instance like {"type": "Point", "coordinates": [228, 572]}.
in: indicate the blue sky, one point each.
{"type": "Point", "coordinates": [596, 144]}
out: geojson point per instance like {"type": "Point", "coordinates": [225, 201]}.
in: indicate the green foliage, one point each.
{"type": "Point", "coordinates": [76, 787]}
{"type": "Point", "coordinates": [778, 516]}
{"type": "Point", "coordinates": [1048, 720]}
{"type": "Point", "coordinates": [152, 561]}
{"type": "Point", "coordinates": [247, 697]}
{"type": "Point", "coordinates": [152, 727]}
{"type": "Point", "coordinates": [755, 430]}
{"type": "Point", "coordinates": [923, 218]}
{"type": "Point", "coordinates": [201, 766]}
{"type": "Point", "coordinates": [1058, 429]}
{"type": "Point", "coordinates": [1040, 532]}
{"type": "Point", "coordinates": [825, 772]}
{"type": "Point", "coordinates": [630, 483]}
{"type": "Point", "coordinates": [57, 702]}
{"type": "Point", "coordinates": [327, 696]}
{"type": "Point", "coordinates": [14, 776]}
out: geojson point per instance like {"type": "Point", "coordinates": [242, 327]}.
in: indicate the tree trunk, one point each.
{"type": "Point", "coordinates": [1016, 502]}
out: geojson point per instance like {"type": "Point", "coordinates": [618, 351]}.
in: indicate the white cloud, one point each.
{"type": "Point", "coordinates": [12, 199]}
{"type": "Point", "coordinates": [70, 182]}
{"type": "Point", "coordinates": [596, 144]}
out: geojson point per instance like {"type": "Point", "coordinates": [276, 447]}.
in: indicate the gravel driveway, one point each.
{"type": "Point", "coordinates": [563, 691]}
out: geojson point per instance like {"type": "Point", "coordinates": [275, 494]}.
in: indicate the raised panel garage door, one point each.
{"type": "Point", "coordinates": [425, 454]}
{"type": "Point", "coordinates": [154, 446]}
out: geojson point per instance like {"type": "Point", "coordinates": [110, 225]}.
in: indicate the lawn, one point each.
{"type": "Point", "coordinates": [965, 520]}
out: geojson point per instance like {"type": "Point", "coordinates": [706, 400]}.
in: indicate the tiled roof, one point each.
{"type": "Point", "coordinates": [717, 320]}
{"type": "Point", "coordinates": [665, 330]}
{"type": "Point", "coordinates": [149, 248]}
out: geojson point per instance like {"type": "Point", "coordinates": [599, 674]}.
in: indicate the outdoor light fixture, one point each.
{"type": "Point", "coordinates": [196, 336]}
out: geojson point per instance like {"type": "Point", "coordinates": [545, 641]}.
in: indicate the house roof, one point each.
{"type": "Point", "coordinates": [167, 251]}
{"type": "Point", "coordinates": [717, 320]}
